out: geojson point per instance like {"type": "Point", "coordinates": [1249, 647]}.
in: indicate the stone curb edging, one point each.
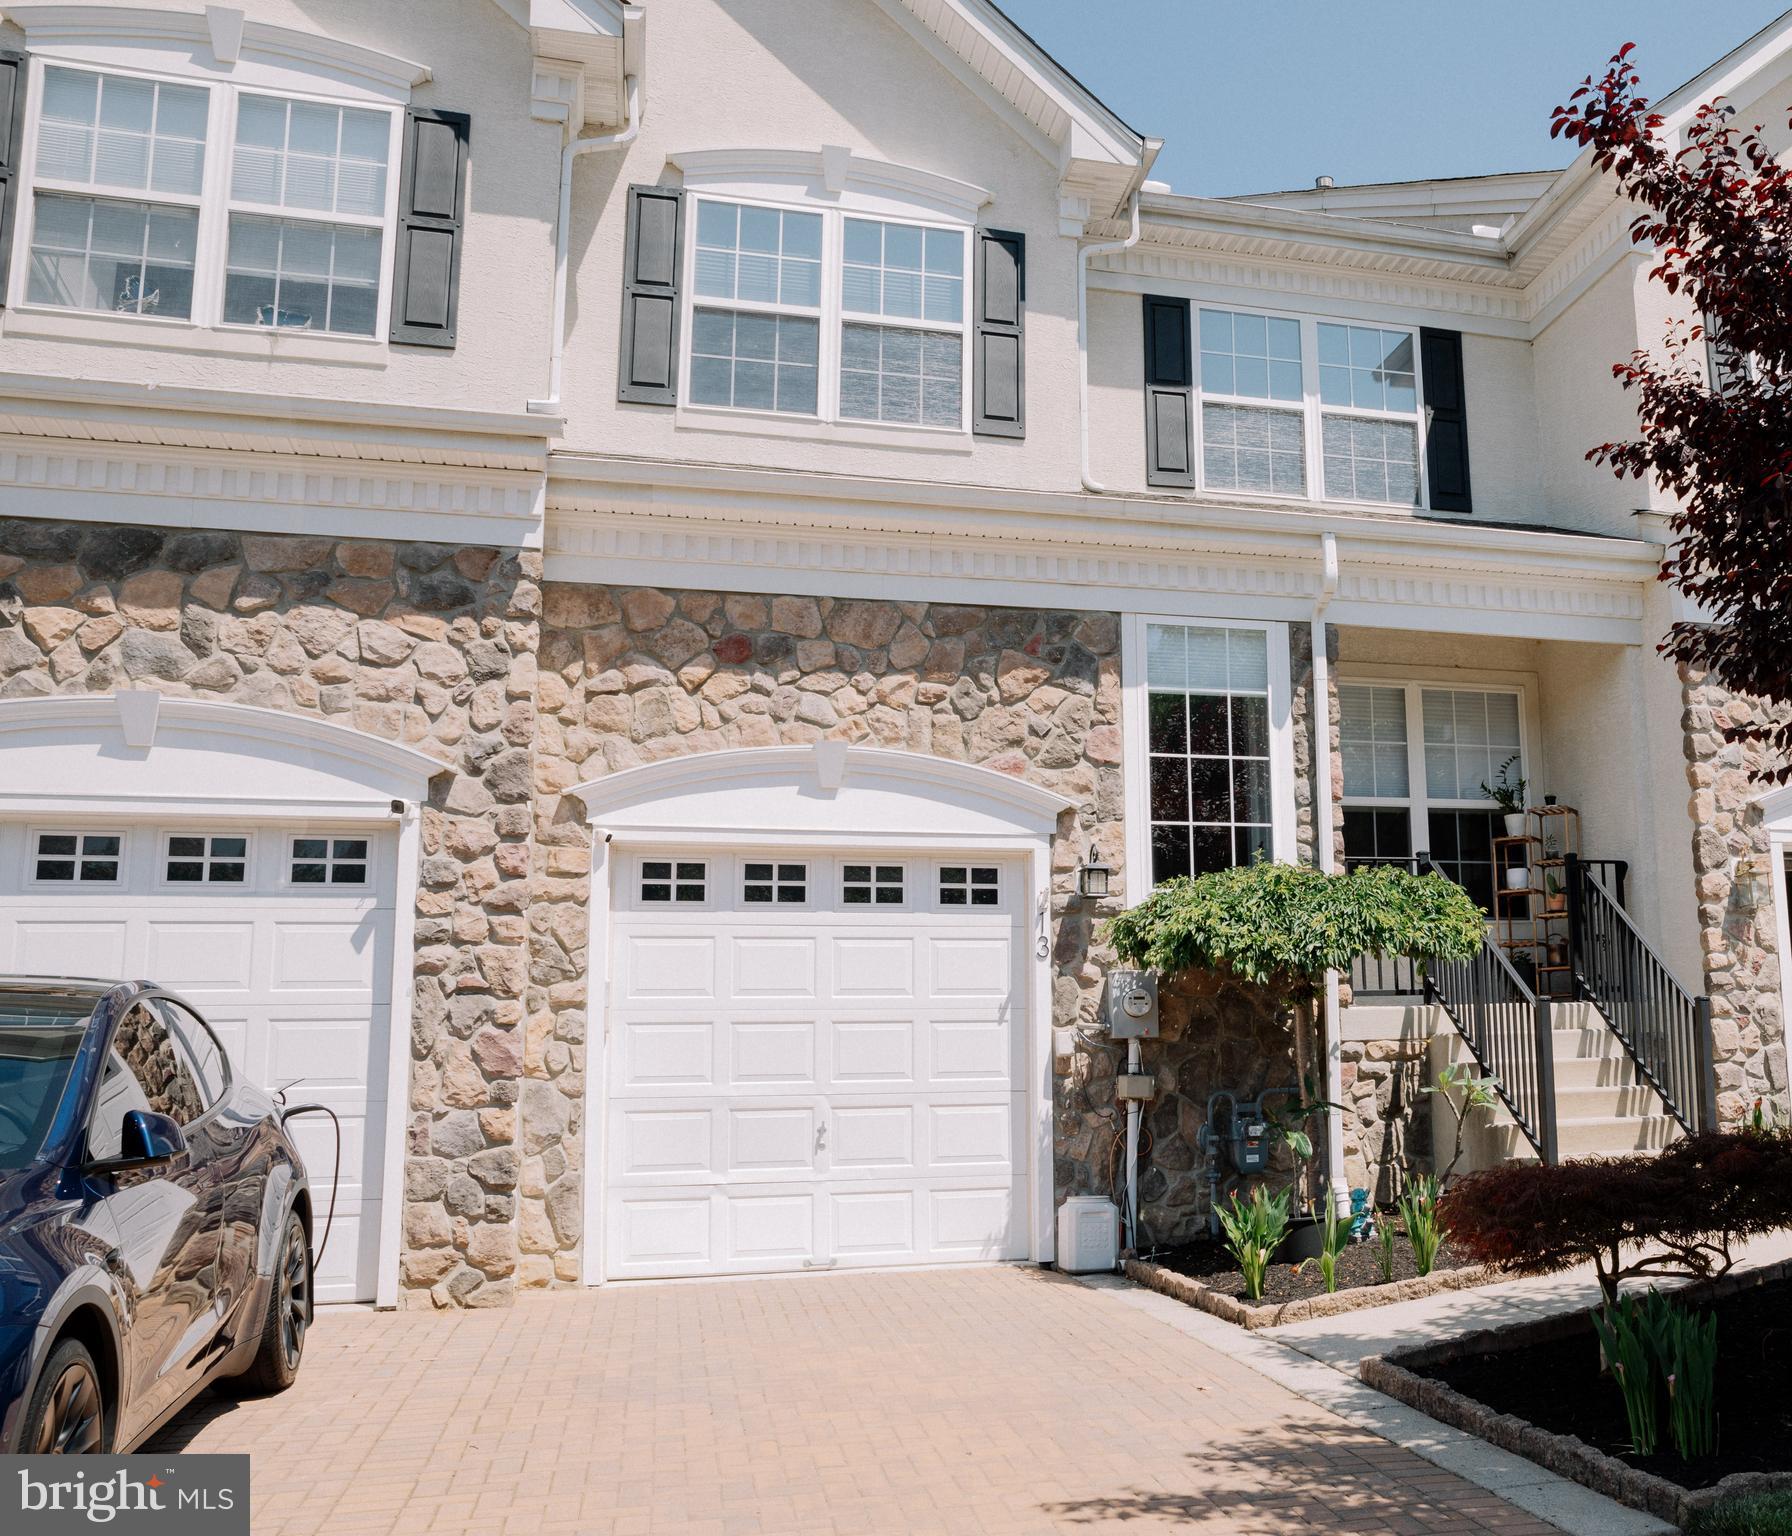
{"type": "Point", "coordinates": [1230, 1309]}
{"type": "Point", "coordinates": [1566, 1455]}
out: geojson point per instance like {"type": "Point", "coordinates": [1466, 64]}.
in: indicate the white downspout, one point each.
{"type": "Point", "coordinates": [1324, 833]}
{"type": "Point", "coordinates": [631, 125]}
{"type": "Point", "coordinates": [1100, 248]}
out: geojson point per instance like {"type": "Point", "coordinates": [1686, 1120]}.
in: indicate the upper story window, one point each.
{"type": "Point", "coordinates": [1281, 396]}
{"type": "Point", "coordinates": [828, 315]}
{"type": "Point", "coordinates": [208, 203]}
{"type": "Point", "coordinates": [1252, 403]}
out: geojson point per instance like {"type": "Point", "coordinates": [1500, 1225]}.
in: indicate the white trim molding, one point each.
{"type": "Point", "coordinates": [729, 529]}
{"type": "Point", "coordinates": [135, 754]}
{"type": "Point", "coordinates": [187, 43]}
{"type": "Point", "coordinates": [828, 796]}
{"type": "Point", "coordinates": [832, 174]}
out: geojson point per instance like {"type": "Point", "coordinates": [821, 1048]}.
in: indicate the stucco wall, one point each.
{"type": "Point", "coordinates": [480, 65]}
{"type": "Point", "coordinates": [420, 643]}
{"type": "Point", "coordinates": [767, 74]}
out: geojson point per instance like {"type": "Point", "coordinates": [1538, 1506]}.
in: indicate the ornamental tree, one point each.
{"type": "Point", "coordinates": [1283, 926]}
{"type": "Point", "coordinates": [1716, 213]}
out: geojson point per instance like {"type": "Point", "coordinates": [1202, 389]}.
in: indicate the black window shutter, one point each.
{"type": "Point", "coordinates": [653, 264]}
{"type": "Point", "coordinates": [1446, 440]}
{"type": "Point", "coordinates": [998, 371]}
{"type": "Point", "coordinates": [13, 74]}
{"type": "Point", "coordinates": [432, 194]}
{"type": "Point", "coordinates": [1169, 393]}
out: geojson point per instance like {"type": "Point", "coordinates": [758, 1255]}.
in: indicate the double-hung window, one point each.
{"type": "Point", "coordinates": [208, 203]}
{"type": "Point", "coordinates": [119, 172]}
{"type": "Point", "coordinates": [1415, 758]}
{"type": "Point", "coordinates": [1305, 408]}
{"type": "Point", "coordinates": [828, 315]}
{"type": "Point", "coordinates": [1369, 413]}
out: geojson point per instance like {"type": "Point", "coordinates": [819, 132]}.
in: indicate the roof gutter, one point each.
{"type": "Point", "coordinates": [631, 125]}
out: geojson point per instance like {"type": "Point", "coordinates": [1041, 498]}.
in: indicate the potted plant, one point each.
{"type": "Point", "coordinates": [1555, 899]}
{"type": "Point", "coordinates": [1507, 793]}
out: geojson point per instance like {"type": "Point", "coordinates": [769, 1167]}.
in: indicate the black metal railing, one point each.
{"type": "Point", "coordinates": [1387, 975]}
{"type": "Point", "coordinates": [1507, 1028]}
{"type": "Point", "coordinates": [1664, 1029]}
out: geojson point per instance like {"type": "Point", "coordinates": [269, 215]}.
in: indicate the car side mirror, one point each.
{"type": "Point", "coordinates": [147, 1140]}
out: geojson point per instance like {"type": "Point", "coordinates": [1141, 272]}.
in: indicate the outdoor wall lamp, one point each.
{"type": "Point", "coordinates": [1092, 876]}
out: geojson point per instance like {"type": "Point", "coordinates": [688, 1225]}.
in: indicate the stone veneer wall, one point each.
{"type": "Point", "coordinates": [1737, 938]}
{"type": "Point", "coordinates": [420, 643]}
{"type": "Point", "coordinates": [639, 675]}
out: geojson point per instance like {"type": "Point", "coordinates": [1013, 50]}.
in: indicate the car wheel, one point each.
{"type": "Point", "coordinates": [67, 1413]}
{"type": "Point", "coordinates": [288, 1317]}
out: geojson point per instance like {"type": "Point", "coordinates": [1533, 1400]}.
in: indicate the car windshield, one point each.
{"type": "Point", "coordinates": [39, 1036]}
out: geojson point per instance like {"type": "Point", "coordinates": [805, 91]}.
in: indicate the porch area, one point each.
{"type": "Point", "coordinates": [1583, 1002]}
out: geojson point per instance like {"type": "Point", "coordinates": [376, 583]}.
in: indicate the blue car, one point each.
{"type": "Point", "coordinates": [155, 1219]}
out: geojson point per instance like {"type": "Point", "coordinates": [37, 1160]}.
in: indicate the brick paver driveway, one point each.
{"type": "Point", "coordinates": [957, 1402]}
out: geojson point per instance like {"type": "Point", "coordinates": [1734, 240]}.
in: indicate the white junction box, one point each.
{"type": "Point", "coordinates": [1088, 1235]}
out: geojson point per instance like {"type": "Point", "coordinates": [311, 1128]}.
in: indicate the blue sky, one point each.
{"type": "Point", "coordinates": [1257, 95]}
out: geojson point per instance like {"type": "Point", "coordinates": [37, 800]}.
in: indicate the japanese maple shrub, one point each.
{"type": "Point", "coordinates": [1677, 1213]}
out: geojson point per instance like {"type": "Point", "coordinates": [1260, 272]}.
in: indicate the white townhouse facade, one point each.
{"type": "Point", "coordinates": [594, 584]}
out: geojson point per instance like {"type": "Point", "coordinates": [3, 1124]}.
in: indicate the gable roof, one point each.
{"type": "Point", "coordinates": [1100, 158]}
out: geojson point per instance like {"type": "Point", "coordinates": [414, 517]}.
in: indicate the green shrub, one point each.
{"type": "Point", "coordinates": [1252, 1232]}
{"type": "Point", "coordinates": [1418, 1209]}
{"type": "Point", "coordinates": [1286, 925]}
{"type": "Point", "coordinates": [1755, 1514]}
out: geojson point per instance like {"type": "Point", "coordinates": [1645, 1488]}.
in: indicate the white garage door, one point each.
{"type": "Point", "coordinates": [814, 1062]}
{"type": "Point", "coordinates": [282, 939]}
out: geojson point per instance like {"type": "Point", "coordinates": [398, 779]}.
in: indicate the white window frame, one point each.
{"type": "Point", "coordinates": [1135, 746]}
{"type": "Point", "coordinates": [1418, 803]}
{"type": "Point", "coordinates": [215, 204]}
{"type": "Point", "coordinates": [165, 857]}
{"type": "Point", "coordinates": [1309, 407]}
{"type": "Point", "coordinates": [120, 882]}
{"type": "Point", "coordinates": [831, 317]}
{"type": "Point", "coordinates": [288, 857]}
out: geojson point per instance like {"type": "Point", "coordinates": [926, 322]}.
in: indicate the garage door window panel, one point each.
{"type": "Point", "coordinates": [328, 861]}
{"type": "Point", "coordinates": [769, 882]}
{"type": "Point", "coordinates": [77, 858]}
{"type": "Point", "coordinates": [970, 885]}
{"type": "Point", "coordinates": [202, 859]}
{"type": "Point", "coordinates": [680, 882]}
{"type": "Point", "coordinates": [873, 885]}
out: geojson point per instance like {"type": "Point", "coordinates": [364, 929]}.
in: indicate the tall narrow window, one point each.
{"type": "Point", "coordinates": [1369, 414]}
{"type": "Point", "coordinates": [1207, 702]}
{"type": "Point", "coordinates": [119, 168]}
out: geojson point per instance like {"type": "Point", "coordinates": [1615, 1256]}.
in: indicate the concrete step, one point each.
{"type": "Point", "coordinates": [1614, 1136]}
{"type": "Point", "coordinates": [1595, 1072]}
{"type": "Point", "coordinates": [1585, 1042]}
{"type": "Point", "coordinates": [1620, 1101]}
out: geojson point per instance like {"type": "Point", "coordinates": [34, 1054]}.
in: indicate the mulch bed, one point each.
{"type": "Point", "coordinates": [1536, 1389]}
{"type": "Point", "coordinates": [1203, 1275]}
{"type": "Point", "coordinates": [1359, 1265]}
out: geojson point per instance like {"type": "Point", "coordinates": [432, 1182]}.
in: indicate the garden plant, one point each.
{"type": "Point", "coordinates": [1253, 1229]}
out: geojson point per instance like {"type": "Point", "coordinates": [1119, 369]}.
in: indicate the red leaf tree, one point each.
{"type": "Point", "coordinates": [1717, 213]}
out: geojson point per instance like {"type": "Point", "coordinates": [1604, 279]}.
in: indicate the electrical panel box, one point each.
{"type": "Point", "coordinates": [1129, 1005]}
{"type": "Point", "coordinates": [1088, 1235]}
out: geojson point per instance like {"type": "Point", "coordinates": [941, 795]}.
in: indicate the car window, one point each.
{"type": "Point", "coordinates": [198, 1047]}
{"type": "Point", "coordinates": [150, 1075]}
{"type": "Point", "coordinates": [39, 1038]}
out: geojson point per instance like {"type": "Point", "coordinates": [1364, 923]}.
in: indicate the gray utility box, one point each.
{"type": "Point", "coordinates": [1129, 1005]}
